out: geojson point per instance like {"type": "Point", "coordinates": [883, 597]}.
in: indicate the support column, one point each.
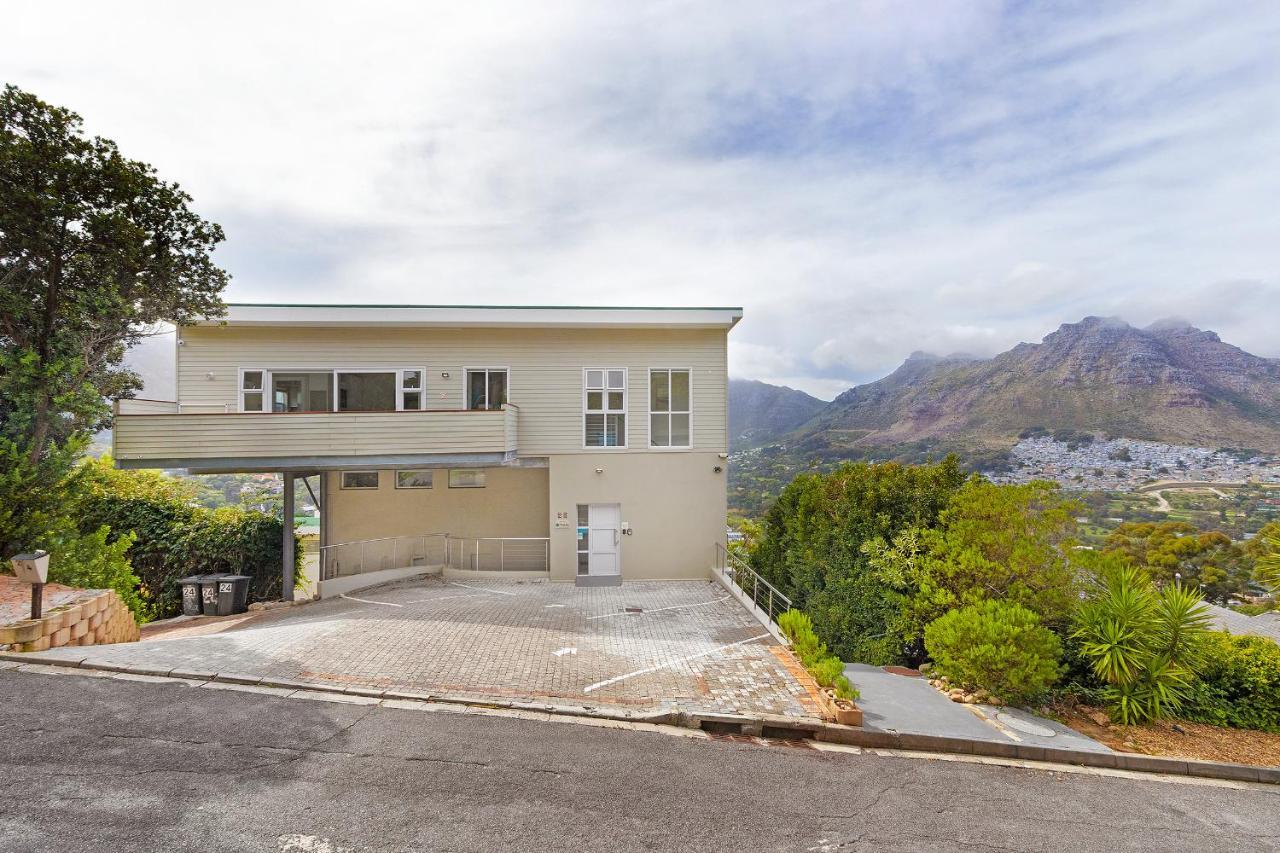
{"type": "Point", "coordinates": [286, 588]}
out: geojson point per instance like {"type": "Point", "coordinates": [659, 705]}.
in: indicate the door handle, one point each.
{"type": "Point", "coordinates": [615, 537]}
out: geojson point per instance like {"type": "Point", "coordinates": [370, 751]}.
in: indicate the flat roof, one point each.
{"type": "Point", "coordinates": [514, 316]}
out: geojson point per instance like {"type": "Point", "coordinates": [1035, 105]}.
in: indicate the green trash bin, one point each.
{"type": "Point", "coordinates": [209, 593]}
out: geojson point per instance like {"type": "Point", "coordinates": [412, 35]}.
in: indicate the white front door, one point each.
{"type": "Point", "coordinates": [605, 523]}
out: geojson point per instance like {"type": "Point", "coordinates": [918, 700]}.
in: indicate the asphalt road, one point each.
{"type": "Point", "coordinates": [105, 764]}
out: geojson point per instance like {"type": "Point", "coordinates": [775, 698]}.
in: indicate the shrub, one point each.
{"type": "Point", "coordinates": [995, 646]}
{"type": "Point", "coordinates": [826, 668]}
{"type": "Point", "coordinates": [1144, 644]}
{"type": "Point", "coordinates": [172, 538]}
{"type": "Point", "coordinates": [92, 561]}
{"type": "Point", "coordinates": [1239, 684]}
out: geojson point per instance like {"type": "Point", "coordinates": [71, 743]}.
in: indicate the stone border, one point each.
{"type": "Point", "coordinates": [767, 726]}
{"type": "Point", "coordinates": [98, 616]}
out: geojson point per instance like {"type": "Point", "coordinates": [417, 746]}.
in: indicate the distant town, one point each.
{"type": "Point", "coordinates": [1122, 464]}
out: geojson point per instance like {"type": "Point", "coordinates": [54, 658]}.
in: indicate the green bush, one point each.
{"type": "Point", "coordinates": [810, 547]}
{"type": "Point", "coordinates": [995, 646]}
{"type": "Point", "coordinates": [1145, 644]}
{"type": "Point", "coordinates": [93, 561]}
{"type": "Point", "coordinates": [172, 538]}
{"type": "Point", "coordinates": [826, 668]}
{"type": "Point", "coordinates": [1239, 684]}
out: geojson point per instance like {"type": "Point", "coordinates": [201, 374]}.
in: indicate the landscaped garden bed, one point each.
{"type": "Point", "coordinates": [1179, 738]}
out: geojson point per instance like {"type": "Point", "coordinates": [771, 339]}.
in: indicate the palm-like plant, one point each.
{"type": "Point", "coordinates": [1144, 644]}
{"type": "Point", "coordinates": [1267, 569]}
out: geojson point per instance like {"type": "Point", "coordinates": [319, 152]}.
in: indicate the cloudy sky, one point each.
{"type": "Point", "coordinates": [865, 178]}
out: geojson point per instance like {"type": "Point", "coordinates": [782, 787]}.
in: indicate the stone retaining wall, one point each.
{"type": "Point", "coordinates": [98, 616]}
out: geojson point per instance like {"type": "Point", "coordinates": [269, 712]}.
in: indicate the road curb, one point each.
{"type": "Point", "coordinates": [759, 725]}
{"type": "Point", "coordinates": [1171, 766]}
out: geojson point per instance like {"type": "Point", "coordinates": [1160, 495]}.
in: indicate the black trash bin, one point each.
{"type": "Point", "coordinates": [233, 594]}
{"type": "Point", "coordinates": [191, 594]}
{"type": "Point", "coordinates": [209, 593]}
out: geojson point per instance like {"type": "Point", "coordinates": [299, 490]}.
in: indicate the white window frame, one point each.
{"type": "Point", "coordinates": [264, 390]}
{"type": "Point", "coordinates": [401, 390]}
{"type": "Point", "coordinates": [669, 412]}
{"type": "Point", "coordinates": [606, 411]}
{"type": "Point", "coordinates": [397, 372]}
{"type": "Point", "coordinates": [466, 386]}
{"type": "Point", "coordinates": [342, 481]}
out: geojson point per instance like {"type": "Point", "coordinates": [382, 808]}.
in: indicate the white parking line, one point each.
{"type": "Point", "coordinates": [441, 598]}
{"type": "Point", "coordinates": [368, 601]}
{"type": "Point", "coordinates": [685, 659]}
{"type": "Point", "coordinates": [659, 609]}
{"type": "Point", "coordinates": [484, 588]}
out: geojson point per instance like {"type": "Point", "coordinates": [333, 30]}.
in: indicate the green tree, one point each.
{"type": "Point", "coordinates": [811, 542]}
{"type": "Point", "coordinates": [95, 252]}
{"type": "Point", "coordinates": [1173, 550]}
{"type": "Point", "coordinates": [1265, 548]}
{"type": "Point", "coordinates": [992, 542]}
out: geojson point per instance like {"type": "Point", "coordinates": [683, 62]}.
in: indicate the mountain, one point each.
{"type": "Point", "coordinates": [760, 413]}
{"type": "Point", "coordinates": [1168, 382]}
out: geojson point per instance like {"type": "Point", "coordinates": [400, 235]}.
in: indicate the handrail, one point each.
{"type": "Point", "coordinates": [467, 553]}
{"type": "Point", "coordinates": [765, 597]}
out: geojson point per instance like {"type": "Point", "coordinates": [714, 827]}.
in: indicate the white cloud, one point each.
{"type": "Point", "coordinates": [865, 179]}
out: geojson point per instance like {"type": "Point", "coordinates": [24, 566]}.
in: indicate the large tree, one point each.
{"type": "Point", "coordinates": [95, 252]}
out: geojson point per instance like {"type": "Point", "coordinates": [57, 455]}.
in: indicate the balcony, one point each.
{"type": "Point", "coordinates": [154, 434]}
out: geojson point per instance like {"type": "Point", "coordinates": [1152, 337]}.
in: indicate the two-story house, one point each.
{"type": "Point", "coordinates": [585, 444]}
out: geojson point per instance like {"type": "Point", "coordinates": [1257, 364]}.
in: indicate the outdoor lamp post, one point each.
{"type": "Point", "coordinates": [33, 568]}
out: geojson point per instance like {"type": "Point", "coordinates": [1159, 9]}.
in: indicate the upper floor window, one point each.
{"type": "Point", "coordinates": [604, 407]}
{"type": "Point", "coordinates": [411, 390]}
{"type": "Point", "coordinates": [332, 390]}
{"type": "Point", "coordinates": [486, 387]}
{"type": "Point", "coordinates": [670, 408]}
{"type": "Point", "coordinates": [251, 390]}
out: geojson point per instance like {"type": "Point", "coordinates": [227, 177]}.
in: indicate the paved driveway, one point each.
{"type": "Point", "coordinates": [642, 645]}
{"type": "Point", "coordinates": [900, 703]}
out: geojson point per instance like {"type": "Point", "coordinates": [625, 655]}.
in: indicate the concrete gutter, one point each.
{"type": "Point", "coordinates": [767, 726]}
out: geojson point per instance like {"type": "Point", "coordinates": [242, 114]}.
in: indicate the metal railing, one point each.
{"type": "Point", "coordinates": [763, 595]}
{"type": "Point", "coordinates": [487, 554]}
{"type": "Point", "coordinates": [498, 554]}
{"type": "Point", "coordinates": [390, 552]}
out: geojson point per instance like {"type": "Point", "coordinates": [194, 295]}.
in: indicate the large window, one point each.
{"type": "Point", "coordinates": [670, 408]}
{"type": "Point", "coordinates": [486, 387]}
{"type": "Point", "coordinates": [604, 407]}
{"type": "Point", "coordinates": [302, 392]}
{"type": "Point", "coordinates": [263, 390]}
{"type": "Point", "coordinates": [366, 392]}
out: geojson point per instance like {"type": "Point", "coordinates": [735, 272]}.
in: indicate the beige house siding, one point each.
{"type": "Point", "coordinates": [545, 370]}
{"type": "Point", "coordinates": [512, 503]}
{"type": "Point", "coordinates": [674, 503]}
{"type": "Point", "coordinates": [141, 437]}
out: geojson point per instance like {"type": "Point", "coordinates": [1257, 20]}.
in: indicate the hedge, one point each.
{"type": "Point", "coordinates": [174, 539]}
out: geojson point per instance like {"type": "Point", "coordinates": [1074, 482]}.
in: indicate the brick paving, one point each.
{"type": "Point", "coordinates": [690, 647]}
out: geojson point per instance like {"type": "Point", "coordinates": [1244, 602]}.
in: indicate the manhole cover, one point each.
{"type": "Point", "coordinates": [1025, 726]}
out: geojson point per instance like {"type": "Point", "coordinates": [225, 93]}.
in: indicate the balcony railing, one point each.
{"type": "Point", "coordinates": [521, 554]}
{"type": "Point", "coordinates": [170, 435]}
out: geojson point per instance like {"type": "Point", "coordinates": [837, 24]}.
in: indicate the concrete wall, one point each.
{"type": "Point", "coordinates": [512, 503]}
{"type": "Point", "coordinates": [674, 502]}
